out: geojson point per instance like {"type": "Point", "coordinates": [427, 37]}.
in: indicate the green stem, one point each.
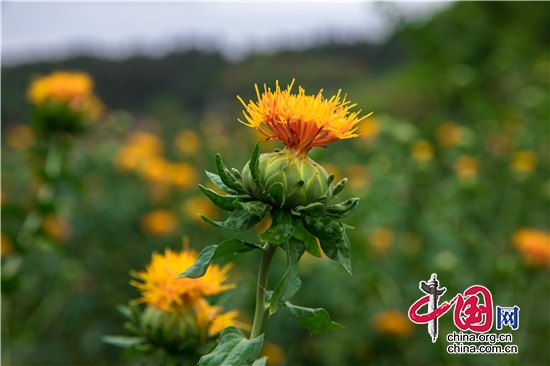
{"type": "Point", "coordinates": [52, 168]}
{"type": "Point", "coordinates": [267, 257]}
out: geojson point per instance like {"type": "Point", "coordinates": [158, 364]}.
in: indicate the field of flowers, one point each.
{"type": "Point", "coordinates": [100, 204]}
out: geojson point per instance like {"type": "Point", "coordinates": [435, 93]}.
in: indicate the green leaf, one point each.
{"type": "Point", "coordinates": [126, 311]}
{"type": "Point", "coordinates": [312, 245]}
{"type": "Point", "coordinates": [339, 251]}
{"type": "Point", "coordinates": [290, 283]}
{"type": "Point", "coordinates": [260, 361]}
{"type": "Point", "coordinates": [339, 186]}
{"type": "Point", "coordinates": [313, 320]}
{"type": "Point", "coordinates": [267, 299]}
{"type": "Point", "coordinates": [327, 229]}
{"type": "Point", "coordinates": [254, 164]}
{"type": "Point", "coordinates": [123, 341]}
{"type": "Point", "coordinates": [258, 208]}
{"type": "Point", "coordinates": [233, 350]}
{"type": "Point", "coordinates": [238, 220]}
{"type": "Point", "coordinates": [214, 178]}
{"type": "Point", "coordinates": [281, 229]}
{"type": "Point", "coordinates": [343, 209]}
{"type": "Point", "coordinates": [211, 252]}
{"type": "Point", "coordinates": [313, 209]}
{"type": "Point", "coordinates": [223, 202]}
{"type": "Point", "coordinates": [330, 179]}
{"type": "Point", "coordinates": [227, 177]}
{"type": "Point", "coordinates": [277, 192]}
{"type": "Point", "coordinates": [236, 173]}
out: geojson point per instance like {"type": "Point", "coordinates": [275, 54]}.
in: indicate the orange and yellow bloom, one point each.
{"type": "Point", "coordinates": [159, 222]}
{"type": "Point", "coordinates": [393, 323]}
{"type": "Point", "coordinates": [160, 289]}
{"type": "Point", "coordinates": [301, 121]}
{"type": "Point", "coordinates": [534, 245]}
{"type": "Point", "coordinates": [523, 161]}
{"type": "Point", "coordinates": [72, 88]}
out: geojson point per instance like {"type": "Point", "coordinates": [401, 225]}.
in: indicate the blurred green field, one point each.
{"type": "Point", "coordinates": [452, 169]}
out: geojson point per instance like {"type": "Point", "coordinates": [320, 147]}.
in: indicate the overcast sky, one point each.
{"type": "Point", "coordinates": [46, 30]}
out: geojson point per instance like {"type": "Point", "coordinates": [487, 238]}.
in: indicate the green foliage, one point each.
{"type": "Point", "coordinates": [344, 209]}
{"type": "Point", "coordinates": [312, 246]}
{"type": "Point", "coordinates": [339, 186]}
{"type": "Point", "coordinates": [315, 321]}
{"type": "Point", "coordinates": [228, 178]}
{"type": "Point", "coordinates": [238, 220]}
{"type": "Point", "coordinates": [254, 207]}
{"type": "Point", "coordinates": [234, 349]}
{"type": "Point", "coordinates": [208, 254]}
{"type": "Point", "coordinates": [281, 229]}
{"type": "Point", "coordinates": [290, 283]}
{"type": "Point", "coordinates": [154, 332]}
{"type": "Point", "coordinates": [254, 163]}
{"type": "Point", "coordinates": [218, 183]}
{"type": "Point", "coordinates": [313, 209]}
{"type": "Point", "coordinates": [223, 202]}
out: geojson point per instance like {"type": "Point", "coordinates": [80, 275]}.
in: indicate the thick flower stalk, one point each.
{"type": "Point", "coordinates": [296, 192]}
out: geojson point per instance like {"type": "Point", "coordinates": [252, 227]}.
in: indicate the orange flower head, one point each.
{"type": "Point", "coordinates": [60, 86]}
{"type": "Point", "coordinates": [301, 121]}
{"type": "Point", "coordinates": [534, 245]}
{"type": "Point", "coordinates": [161, 289]}
{"type": "Point", "coordinates": [72, 88]}
{"type": "Point", "coordinates": [159, 222]}
{"type": "Point", "coordinates": [393, 323]}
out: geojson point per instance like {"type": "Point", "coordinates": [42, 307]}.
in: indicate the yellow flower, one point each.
{"type": "Point", "coordinates": [301, 121]}
{"type": "Point", "coordinates": [381, 239]}
{"type": "Point", "coordinates": [369, 129]}
{"type": "Point", "coordinates": [393, 323]}
{"type": "Point", "coordinates": [449, 134]}
{"type": "Point", "coordinates": [188, 142]}
{"type": "Point", "coordinates": [57, 227]}
{"type": "Point", "coordinates": [60, 86]}
{"type": "Point", "coordinates": [155, 169]}
{"type": "Point", "coordinates": [159, 223]}
{"type": "Point", "coordinates": [534, 245]}
{"type": "Point", "coordinates": [20, 137]}
{"type": "Point", "coordinates": [422, 151]}
{"type": "Point", "coordinates": [72, 88]}
{"type": "Point", "coordinates": [7, 245]}
{"type": "Point", "coordinates": [466, 167]}
{"type": "Point", "coordinates": [524, 161]}
{"type": "Point", "coordinates": [129, 157]}
{"type": "Point", "coordinates": [146, 141]}
{"type": "Point", "coordinates": [200, 205]}
{"type": "Point", "coordinates": [161, 289]}
{"type": "Point", "coordinates": [211, 317]}
{"type": "Point", "coordinates": [183, 175]}
{"type": "Point", "coordinates": [275, 354]}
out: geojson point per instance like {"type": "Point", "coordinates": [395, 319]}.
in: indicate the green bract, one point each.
{"type": "Point", "coordinates": [287, 180]}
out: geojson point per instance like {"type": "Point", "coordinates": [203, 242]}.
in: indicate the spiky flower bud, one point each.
{"type": "Point", "coordinates": [168, 329]}
{"type": "Point", "coordinates": [287, 179]}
